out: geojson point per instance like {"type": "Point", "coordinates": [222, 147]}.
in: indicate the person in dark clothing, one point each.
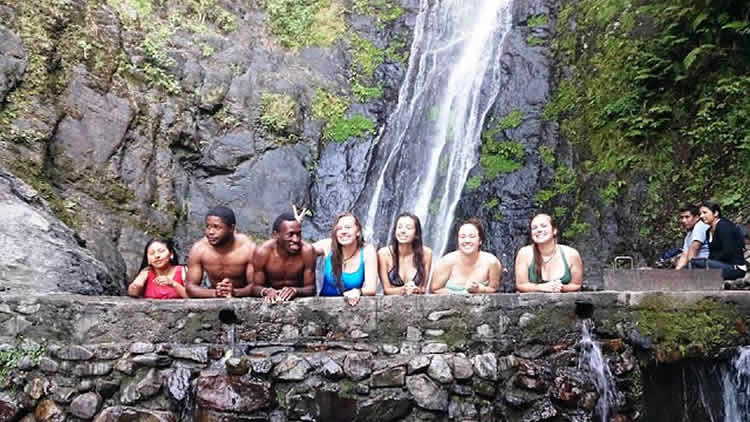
{"type": "Point", "coordinates": [725, 244]}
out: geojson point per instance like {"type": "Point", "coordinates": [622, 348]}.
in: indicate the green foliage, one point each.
{"type": "Point", "coordinates": [534, 41]}
{"type": "Point", "coordinates": [397, 51]}
{"type": "Point", "coordinates": [278, 111]}
{"type": "Point", "coordinates": [473, 183]}
{"type": "Point", "coordinates": [501, 157]}
{"type": "Point", "coordinates": [547, 155]}
{"type": "Point", "coordinates": [328, 106]}
{"type": "Point", "coordinates": [537, 21]}
{"type": "Point", "coordinates": [511, 121]}
{"type": "Point", "coordinates": [366, 93]}
{"type": "Point", "coordinates": [492, 203]}
{"type": "Point", "coordinates": [312, 22]}
{"type": "Point", "coordinates": [609, 192]}
{"type": "Point", "coordinates": [342, 129]}
{"type": "Point", "coordinates": [211, 11]}
{"type": "Point", "coordinates": [331, 109]}
{"type": "Point", "coordinates": [384, 10]}
{"type": "Point", "coordinates": [666, 100]}
{"type": "Point", "coordinates": [9, 358]}
{"type": "Point", "coordinates": [563, 183]}
{"type": "Point", "coordinates": [366, 56]}
{"type": "Point", "coordinates": [697, 329]}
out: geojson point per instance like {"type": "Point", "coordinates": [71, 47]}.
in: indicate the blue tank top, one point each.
{"type": "Point", "coordinates": [353, 280]}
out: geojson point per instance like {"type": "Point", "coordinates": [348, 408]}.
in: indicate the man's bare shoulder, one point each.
{"type": "Point", "coordinates": [199, 248]}
{"type": "Point", "coordinates": [308, 251]}
{"type": "Point", "coordinates": [243, 240]}
{"type": "Point", "coordinates": [265, 248]}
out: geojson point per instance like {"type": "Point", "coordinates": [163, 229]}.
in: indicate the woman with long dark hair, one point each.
{"type": "Point", "coordinates": [351, 266]}
{"type": "Point", "coordinates": [161, 276]}
{"type": "Point", "coordinates": [404, 266]}
{"type": "Point", "coordinates": [725, 244]}
{"type": "Point", "coordinates": [468, 269]}
{"type": "Point", "coordinates": [545, 265]}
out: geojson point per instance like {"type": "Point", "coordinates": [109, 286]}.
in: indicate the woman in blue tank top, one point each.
{"type": "Point", "coordinates": [351, 267]}
{"type": "Point", "coordinates": [545, 265]}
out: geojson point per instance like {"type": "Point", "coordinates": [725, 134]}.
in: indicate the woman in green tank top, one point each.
{"type": "Point", "coordinates": [545, 265]}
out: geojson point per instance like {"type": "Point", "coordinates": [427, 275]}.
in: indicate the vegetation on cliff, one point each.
{"type": "Point", "coordinates": [656, 91]}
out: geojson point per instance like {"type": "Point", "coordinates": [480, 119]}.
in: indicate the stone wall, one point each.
{"type": "Point", "coordinates": [490, 358]}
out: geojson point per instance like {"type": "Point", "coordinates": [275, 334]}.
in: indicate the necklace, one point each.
{"type": "Point", "coordinates": [350, 256]}
{"type": "Point", "coordinates": [546, 260]}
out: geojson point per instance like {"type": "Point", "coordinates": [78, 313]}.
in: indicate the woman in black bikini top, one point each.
{"type": "Point", "coordinates": [404, 266]}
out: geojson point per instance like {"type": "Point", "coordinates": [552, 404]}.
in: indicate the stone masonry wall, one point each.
{"type": "Point", "coordinates": [478, 358]}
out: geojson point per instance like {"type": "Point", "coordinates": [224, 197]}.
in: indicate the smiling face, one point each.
{"type": "Point", "coordinates": [469, 240]}
{"type": "Point", "coordinates": [159, 255]}
{"type": "Point", "coordinates": [406, 230]}
{"type": "Point", "coordinates": [542, 229]}
{"type": "Point", "coordinates": [347, 230]}
{"type": "Point", "coordinates": [289, 237]}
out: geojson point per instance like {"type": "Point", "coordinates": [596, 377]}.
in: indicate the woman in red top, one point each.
{"type": "Point", "coordinates": [161, 276]}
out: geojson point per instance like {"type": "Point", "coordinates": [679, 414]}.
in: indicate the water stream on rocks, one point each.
{"type": "Point", "coordinates": [430, 142]}
{"type": "Point", "coordinates": [592, 359]}
{"type": "Point", "coordinates": [736, 383]}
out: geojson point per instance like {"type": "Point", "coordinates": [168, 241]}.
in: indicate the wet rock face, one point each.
{"type": "Point", "coordinates": [36, 247]}
{"type": "Point", "coordinates": [226, 393]}
{"type": "Point", "coordinates": [141, 136]}
{"type": "Point", "coordinates": [13, 62]}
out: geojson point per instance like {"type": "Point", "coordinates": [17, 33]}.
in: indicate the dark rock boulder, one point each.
{"type": "Point", "coordinates": [13, 61]}
{"type": "Point", "coordinates": [37, 248]}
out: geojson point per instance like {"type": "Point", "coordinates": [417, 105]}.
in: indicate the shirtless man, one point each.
{"type": "Point", "coordinates": [284, 265]}
{"type": "Point", "coordinates": [224, 255]}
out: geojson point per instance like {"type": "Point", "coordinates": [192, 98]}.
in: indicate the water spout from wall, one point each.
{"type": "Point", "coordinates": [593, 360]}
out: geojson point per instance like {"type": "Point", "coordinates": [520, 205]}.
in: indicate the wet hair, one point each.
{"type": "Point", "coordinates": [225, 214]}
{"type": "Point", "coordinates": [280, 220]}
{"type": "Point", "coordinates": [713, 206]}
{"type": "Point", "coordinates": [474, 221]}
{"type": "Point", "coordinates": [337, 255]}
{"type": "Point", "coordinates": [537, 252]}
{"type": "Point", "coordinates": [692, 209]}
{"type": "Point", "coordinates": [175, 260]}
{"type": "Point", "coordinates": [416, 246]}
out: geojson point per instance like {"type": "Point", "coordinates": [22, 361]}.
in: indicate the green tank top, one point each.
{"type": "Point", "coordinates": [565, 279]}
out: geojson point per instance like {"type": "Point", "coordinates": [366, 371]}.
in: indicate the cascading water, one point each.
{"type": "Point", "coordinates": [591, 359]}
{"type": "Point", "coordinates": [736, 383]}
{"type": "Point", "coordinates": [430, 142]}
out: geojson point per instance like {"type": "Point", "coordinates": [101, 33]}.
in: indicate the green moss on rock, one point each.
{"type": "Point", "coordinates": [699, 329]}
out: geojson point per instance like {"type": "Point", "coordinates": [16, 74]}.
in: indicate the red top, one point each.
{"type": "Point", "coordinates": [157, 291]}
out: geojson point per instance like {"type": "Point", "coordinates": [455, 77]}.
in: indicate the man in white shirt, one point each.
{"type": "Point", "coordinates": [695, 244]}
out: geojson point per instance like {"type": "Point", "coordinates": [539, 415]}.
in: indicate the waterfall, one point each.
{"type": "Point", "coordinates": [430, 142]}
{"type": "Point", "coordinates": [592, 359]}
{"type": "Point", "coordinates": [736, 383]}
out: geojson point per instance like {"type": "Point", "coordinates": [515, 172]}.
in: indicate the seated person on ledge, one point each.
{"type": "Point", "coordinates": [351, 267]}
{"type": "Point", "coordinates": [224, 255]}
{"type": "Point", "coordinates": [161, 276]}
{"type": "Point", "coordinates": [695, 244]}
{"type": "Point", "coordinates": [467, 269]}
{"type": "Point", "coordinates": [404, 266]}
{"type": "Point", "coordinates": [546, 266]}
{"type": "Point", "coordinates": [725, 244]}
{"type": "Point", "coordinates": [285, 265]}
